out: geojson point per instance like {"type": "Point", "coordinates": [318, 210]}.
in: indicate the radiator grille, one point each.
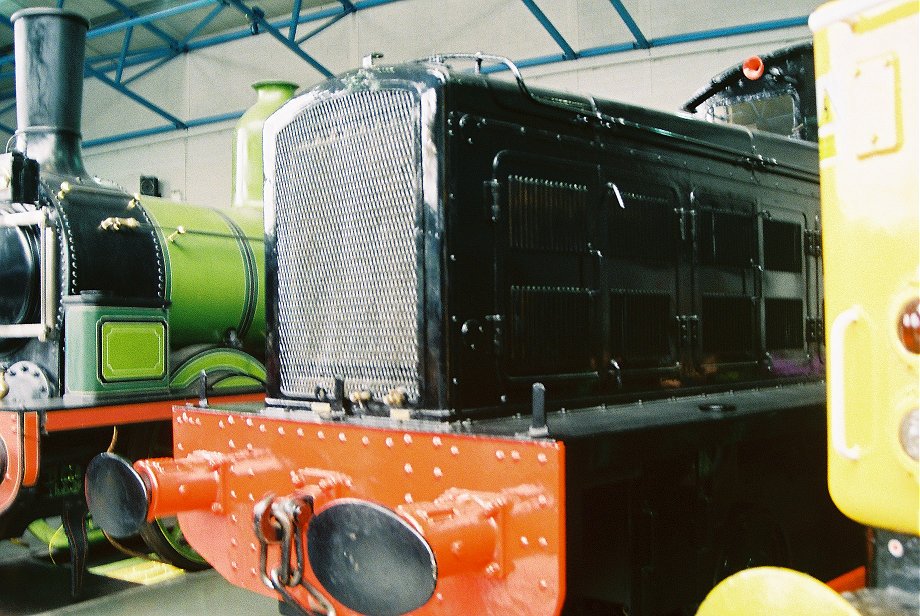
{"type": "Point", "coordinates": [726, 239]}
{"type": "Point", "coordinates": [347, 190]}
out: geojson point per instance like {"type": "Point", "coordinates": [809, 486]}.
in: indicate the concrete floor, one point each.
{"type": "Point", "coordinates": [32, 585]}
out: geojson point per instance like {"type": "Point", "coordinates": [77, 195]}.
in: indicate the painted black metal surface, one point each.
{"type": "Point", "coordinates": [895, 562]}
{"type": "Point", "coordinates": [603, 249]}
{"type": "Point", "coordinates": [122, 263]}
{"type": "Point", "coordinates": [781, 100]}
{"type": "Point", "coordinates": [18, 273]}
{"type": "Point", "coordinates": [369, 559]}
{"type": "Point", "coordinates": [49, 47]}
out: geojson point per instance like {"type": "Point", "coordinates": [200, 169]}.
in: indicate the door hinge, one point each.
{"type": "Point", "coordinates": [494, 323]}
{"type": "Point", "coordinates": [814, 329]}
{"type": "Point", "coordinates": [491, 192]}
{"type": "Point", "coordinates": [688, 329]}
{"type": "Point", "coordinates": [813, 242]}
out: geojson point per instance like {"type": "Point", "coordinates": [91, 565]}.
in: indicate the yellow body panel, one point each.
{"type": "Point", "coordinates": [865, 57]}
{"type": "Point", "coordinates": [769, 591]}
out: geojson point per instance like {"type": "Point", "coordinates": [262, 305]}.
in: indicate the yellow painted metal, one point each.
{"type": "Point", "coordinates": [144, 571]}
{"type": "Point", "coordinates": [769, 591]}
{"type": "Point", "coordinates": [866, 67]}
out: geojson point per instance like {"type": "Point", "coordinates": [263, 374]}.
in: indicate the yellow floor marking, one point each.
{"type": "Point", "coordinates": [138, 571]}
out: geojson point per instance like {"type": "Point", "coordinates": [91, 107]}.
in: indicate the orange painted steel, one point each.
{"type": "Point", "coordinates": [464, 528]}
{"type": "Point", "coordinates": [850, 581]}
{"type": "Point", "coordinates": [121, 414]}
{"type": "Point", "coordinates": [176, 485]}
{"type": "Point", "coordinates": [30, 449]}
{"type": "Point", "coordinates": [21, 432]}
{"type": "Point", "coordinates": [492, 509]}
{"type": "Point", "coordinates": [10, 430]}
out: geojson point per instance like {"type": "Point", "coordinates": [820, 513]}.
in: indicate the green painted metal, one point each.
{"type": "Point", "coordinates": [215, 272]}
{"type": "Point", "coordinates": [246, 369]}
{"type": "Point", "coordinates": [113, 338]}
{"type": "Point", "coordinates": [56, 539]}
{"type": "Point", "coordinates": [132, 350]}
{"type": "Point", "coordinates": [248, 175]}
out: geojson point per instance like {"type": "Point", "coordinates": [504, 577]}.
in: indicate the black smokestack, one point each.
{"type": "Point", "coordinates": [49, 46]}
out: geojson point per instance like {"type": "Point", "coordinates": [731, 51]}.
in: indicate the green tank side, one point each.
{"type": "Point", "coordinates": [233, 369]}
{"type": "Point", "coordinates": [247, 141]}
{"type": "Point", "coordinates": [215, 272]}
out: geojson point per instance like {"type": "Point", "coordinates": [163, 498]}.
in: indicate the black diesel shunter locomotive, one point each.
{"type": "Point", "coordinates": [439, 244]}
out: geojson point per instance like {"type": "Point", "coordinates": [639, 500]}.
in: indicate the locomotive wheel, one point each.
{"type": "Point", "coordinates": [162, 536]}
{"type": "Point", "coordinates": [165, 538]}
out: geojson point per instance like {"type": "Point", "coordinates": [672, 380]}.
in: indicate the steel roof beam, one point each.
{"type": "Point", "coordinates": [159, 130]}
{"type": "Point", "coordinates": [641, 41]}
{"type": "Point", "coordinates": [779, 24]}
{"type": "Point", "coordinates": [124, 52]}
{"type": "Point", "coordinates": [319, 29]}
{"type": "Point", "coordinates": [257, 18]}
{"type": "Point", "coordinates": [146, 19]}
{"type": "Point", "coordinates": [137, 98]}
{"type": "Point", "coordinates": [107, 62]}
{"type": "Point", "coordinates": [664, 41]}
{"type": "Point", "coordinates": [188, 44]}
{"type": "Point", "coordinates": [126, 10]}
{"type": "Point", "coordinates": [201, 26]}
{"type": "Point", "coordinates": [315, 16]}
{"type": "Point", "coordinates": [295, 13]}
{"type": "Point", "coordinates": [149, 69]}
{"type": "Point", "coordinates": [567, 50]}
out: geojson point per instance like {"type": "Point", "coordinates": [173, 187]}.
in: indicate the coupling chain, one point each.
{"type": "Point", "coordinates": [282, 521]}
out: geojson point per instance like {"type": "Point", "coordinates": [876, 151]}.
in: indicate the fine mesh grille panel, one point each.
{"type": "Point", "coordinates": [782, 246]}
{"type": "Point", "coordinates": [783, 319]}
{"type": "Point", "coordinates": [639, 325]}
{"type": "Point", "coordinates": [728, 326]}
{"type": "Point", "coordinates": [550, 330]}
{"type": "Point", "coordinates": [346, 196]}
{"type": "Point", "coordinates": [547, 215]}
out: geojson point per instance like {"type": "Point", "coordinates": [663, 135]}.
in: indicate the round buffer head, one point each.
{"type": "Point", "coordinates": [370, 559]}
{"type": "Point", "coordinates": [116, 495]}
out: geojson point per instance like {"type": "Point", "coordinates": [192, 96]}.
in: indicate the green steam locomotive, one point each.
{"type": "Point", "coordinates": [113, 306]}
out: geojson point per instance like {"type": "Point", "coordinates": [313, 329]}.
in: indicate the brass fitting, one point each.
{"type": "Point", "coordinates": [180, 230]}
{"type": "Point", "coordinates": [396, 398]}
{"type": "Point", "coordinates": [114, 223]}
{"type": "Point", "coordinates": [65, 188]}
